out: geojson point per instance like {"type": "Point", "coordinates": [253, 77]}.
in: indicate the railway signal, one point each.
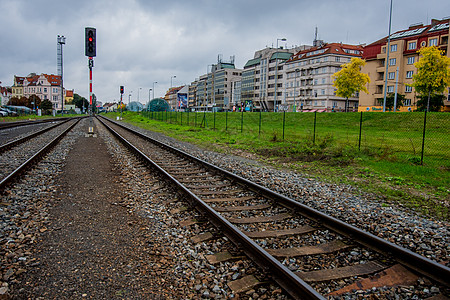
{"type": "Point", "coordinates": [90, 45]}
{"type": "Point", "coordinates": [90, 52]}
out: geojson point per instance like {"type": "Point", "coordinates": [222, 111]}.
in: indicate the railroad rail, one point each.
{"type": "Point", "coordinates": [223, 197]}
{"type": "Point", "coordinates": [27, 160]}
{"type": "Point", "coordinates": [5, 125]}
{"type": "Point", "coordinates": [23, 139]}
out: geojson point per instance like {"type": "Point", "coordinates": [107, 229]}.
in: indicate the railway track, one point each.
{"type": "Point", "coordinates": [15, 160]}
{"type": "Point", "coordinates": [6, 125]}
{"type": "Point", "coordinates": [303, 249]}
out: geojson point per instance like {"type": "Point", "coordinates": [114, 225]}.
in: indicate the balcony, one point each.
{"type": "Point", "coordinates": [381, 69]}
{"type": "Point", "coordinates": [381, 56]}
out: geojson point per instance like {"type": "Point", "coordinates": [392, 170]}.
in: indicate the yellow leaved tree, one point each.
{"type": "Point", "coordinates": [350, 80]}
{"type": "Point", "coordinates": [433, 75]}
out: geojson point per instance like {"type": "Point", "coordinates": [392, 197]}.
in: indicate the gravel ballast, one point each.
{"type": "Point", "coordinates": [129, 242]}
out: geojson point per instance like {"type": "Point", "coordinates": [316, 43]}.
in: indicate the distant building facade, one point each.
{"type": "Point", "coordinates": [403, 54]}
{"type": "Point", "coordinates": [262, 85]}
{"type": "Point", "coordinates": [5, 95]}
{"type": "Point", "coordinates": [46, 87]}
{"type": "Point", "coordinates": [214, 90]}
{"type": "Point", "coordinates": [309, 82]}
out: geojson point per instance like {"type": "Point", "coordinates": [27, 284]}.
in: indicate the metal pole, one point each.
{"type": "Point", "coordinates": [91, 64]}
{"type": "Point", "coordinates": [360, 130]}
{"type": "Point", "coordinates": [387, 59]}
{"type": "Point", "coordinates": [121, 106]}
{"type": "Point", "coordinates": [423, 136]}
{"type": "Point", "coordinates": [314, 136]}
{"type": "Point", "coordinates": [396, 86]}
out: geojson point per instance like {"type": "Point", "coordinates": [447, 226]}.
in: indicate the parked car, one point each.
{"type": "Point", "coordinates": [8, 112]}
{"type": "Point", "coordinates": [3, 113]}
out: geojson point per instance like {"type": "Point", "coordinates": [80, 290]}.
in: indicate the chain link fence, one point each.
{"type": "Point", "coordinates": [415, 137]}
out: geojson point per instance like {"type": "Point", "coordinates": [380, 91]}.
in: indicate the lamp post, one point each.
{"type": "Point", "coordinates": [171, 77]}
{"type": "Point", "coordinates": [129, 97]}
{"type": "Point", "coordinates": [295, 83]}
{"type": "Point", "coordinates": [138, 93]}
{"type": "Point", "coordinates": [276, 75]}
{"type": "Point", "coordinates": [154, 89]}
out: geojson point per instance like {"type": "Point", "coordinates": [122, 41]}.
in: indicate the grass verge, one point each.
{"type": "Point", "coordinates": [394, 176]}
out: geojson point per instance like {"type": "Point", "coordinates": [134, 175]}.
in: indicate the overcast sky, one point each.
{"type": "Point", "coordinates": [141, 42]}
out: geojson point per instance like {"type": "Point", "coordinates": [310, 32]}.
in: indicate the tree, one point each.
{"type": "Point", "coordinates": [390, 99]}
{"type": "Point", "coordinates": [433, 73]}
{"type": "Point", "coordinates": [435, 102]}
{"type": "Point", "coordinates": [80, 102]}
{"type": "Point", "coordinates": [350, 80]}
{"type": "Point", "coordinates": [46, 106]}
{"type": "Point", "coordinates": [33, 101]}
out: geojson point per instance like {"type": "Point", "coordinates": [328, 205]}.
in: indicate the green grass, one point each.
{"type": "Point", "coordinates": [385, 162]}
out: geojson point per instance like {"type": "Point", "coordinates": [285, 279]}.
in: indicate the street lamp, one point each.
{"type": "Point", "coordinates": [283, 40]}
{"type": "Point", "coordinates": [154, 89]}
{"type": "Point", "coordinates": [171, 77]}
{"type": "Point", "coordinates": [276, 75]}
{"type": "Point", "coordinates": [149, 90]}
{"type": "Point", "coordinates": [138, 93]}
{"type": "Point", "coordinates": [129, 97]}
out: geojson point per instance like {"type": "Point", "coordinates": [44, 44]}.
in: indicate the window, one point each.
{"type": "Point", "coordinates": [324, 80]}
{"type": "Point", "coordinates": [408, 89]}
{"type": "Point", "coordinates": [316, 81]}
{"type": "Point", "coordinates": [322, 92]}
{"type": "Point", "coordinates": [390, 89]}
{"type": "Point", "coordinates": [392, 61]}
{"type": "Point", "coordinates": [338, 58]}
{"type": "Point", "coordinates": [393, 48]}
{"type": "Point", "coordinates": [411, 60]}
{"type": "Point", "coordinates": [409, 74]}
{"type": "Point", "coordinates": [433, 42]}
{"type": "Point", "coordinates": [391, 75]}
{"type": "Point", "coordinates": [407, 102]}
{"type": "Point", "coordinates": [412, 45]}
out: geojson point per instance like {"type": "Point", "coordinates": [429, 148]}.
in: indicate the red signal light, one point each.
{"type": "Point", "coordinates": [90, 39]}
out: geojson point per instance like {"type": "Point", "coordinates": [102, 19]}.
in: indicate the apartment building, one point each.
{"type": "Point", "coordinates": [177, 97]}
{"type": "Point", "coordinates": [5, 95]}
{"type": "Point", "coordinates": [262, 86]}
{"type": "Point", "coordinates": [214, 90]}
{"type": "Point", "coordinates": [403, 47]}
{"type": "Point", "coordinates": [46, 87]}
{"type": "Point", "coordinates": [309, 82]}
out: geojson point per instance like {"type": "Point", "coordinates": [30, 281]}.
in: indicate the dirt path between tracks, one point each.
{"type": "Point", "coordinates": [92, 249]}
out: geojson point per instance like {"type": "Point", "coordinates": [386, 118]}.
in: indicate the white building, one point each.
{"type": "Point", "coordinates": [309, 82]}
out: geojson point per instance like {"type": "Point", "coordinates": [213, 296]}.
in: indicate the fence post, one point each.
{"type": "Point", "coordinates": [259, 134]}
{"type": "Point", "coordinates": [188, 118]}
{"type": "Point", "coordinates": [181, 118]}
{"type": "Point", "coordinates": [284, 122]}
{"type": "Point", "coordinates": [226, 120]}
{"type": "Point", "coordinates": [242, 119]}
{"type": "Point", "coordinates": [214, 120]}
{"type": "Point", "coordinates": [423, 136]}
{"type": "Point", "coordinates": [195, 121]}
{"type": "Point", "coordinates": [314, 135]}
{"type": "Point", "coordinates": [360, 130]}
